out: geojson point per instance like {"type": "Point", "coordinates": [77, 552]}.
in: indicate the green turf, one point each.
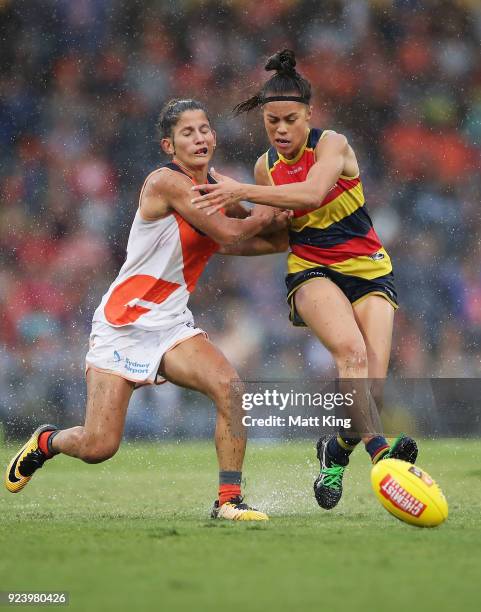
{"type": "Point", "coordinates": [133, 533]}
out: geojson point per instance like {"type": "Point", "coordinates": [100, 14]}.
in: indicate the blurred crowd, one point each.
{"type": "Point", "coordinates": [81, 85]}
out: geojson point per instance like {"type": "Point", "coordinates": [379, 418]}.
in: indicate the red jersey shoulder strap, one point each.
{"type": "Point", "coordinates": [273, 157]}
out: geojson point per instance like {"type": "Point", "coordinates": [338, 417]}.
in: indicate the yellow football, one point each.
{"type": "Point", "coordinates": [409, 493]}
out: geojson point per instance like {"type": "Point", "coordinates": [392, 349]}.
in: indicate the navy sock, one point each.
{"type": "Point", "coordinates": [377, 447]}
{"type": "Point", "coordinates": [337, 452]}
{"type": "Point", "coordinates": [230, 478]}
{"type": "Point", "coordinates": [348, 440]}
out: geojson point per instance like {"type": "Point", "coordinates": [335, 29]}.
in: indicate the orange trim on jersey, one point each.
{"type": "Point", "coordinates": [121, 307]}
{"type": "Point", "coordinates": [195, 258]}
{"type": "Point", "coordinates": [197, 248]}
{"type": "Point", "coordinates": [196, 251]}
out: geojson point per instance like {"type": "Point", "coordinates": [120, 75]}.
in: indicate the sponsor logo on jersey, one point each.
{"type": "Point", "coordinates": [295, 170]}
{"type": "Point", "coordinates": [399, 497]}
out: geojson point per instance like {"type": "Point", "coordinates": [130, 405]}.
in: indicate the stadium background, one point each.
{"type": "Point", "coordinates": [81, 85]}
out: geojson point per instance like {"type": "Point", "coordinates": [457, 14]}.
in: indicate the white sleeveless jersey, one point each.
{"type": "Point", "coordinates": [165, 258]}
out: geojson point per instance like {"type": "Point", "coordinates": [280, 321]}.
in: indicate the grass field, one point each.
{"type": "Point", "coordinates": [134, 534]}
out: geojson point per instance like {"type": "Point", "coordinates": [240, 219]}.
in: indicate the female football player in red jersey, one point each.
{"type": "Point", "coordinates": [339, 282]}
{"type": "Point", "coordinates": [143, 331]}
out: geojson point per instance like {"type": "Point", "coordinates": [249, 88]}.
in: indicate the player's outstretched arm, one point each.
{"type": "Point", "coordinates": [272, 239]}
{"type": "Point", "coordinates": [165, 191]}
{"type": "Point", "coordinates": [331, 154]}
{"type": "Point", "coordinates": [238, 211]}
{"type": "Point", "coordinates": [258, 245]}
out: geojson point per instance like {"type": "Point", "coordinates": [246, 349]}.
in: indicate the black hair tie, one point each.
{"type": "Point", "coordinates": [301, 99]}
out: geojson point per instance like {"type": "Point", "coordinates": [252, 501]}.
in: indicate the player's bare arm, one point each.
{"type": "Point", "coordinates": [273, 239]}
{"type": "Point", "coordinates": [277, 242]}
{"type": "Point", "coordinates": [280, 217]}
{"type": "Point", "coordinates": [334, 157]}
{"type": "Point", "coordinates": [238, 211]}
{"type": "Point", "coordinates": [164, 192]}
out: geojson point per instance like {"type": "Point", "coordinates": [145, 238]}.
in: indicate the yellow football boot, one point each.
{"type": "Point", "coordinates": [236, 510]}
{"type": "Point", "coordinates": [26, 462]}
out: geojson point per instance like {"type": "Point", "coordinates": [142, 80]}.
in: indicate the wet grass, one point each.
{"type": "Point", "coordinates": [134, 533]}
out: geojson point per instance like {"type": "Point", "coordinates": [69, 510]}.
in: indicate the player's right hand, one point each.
{"type": "Point", "coordinates": [280, 220]}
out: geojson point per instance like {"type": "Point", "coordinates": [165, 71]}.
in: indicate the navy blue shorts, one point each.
{"type": "Point", "coordinates": [353, 287]}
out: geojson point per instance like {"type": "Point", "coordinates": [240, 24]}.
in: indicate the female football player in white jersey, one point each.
{"type": "Point", "coordinates": [143, 331]}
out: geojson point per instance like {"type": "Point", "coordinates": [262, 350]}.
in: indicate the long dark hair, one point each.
{"type": "Point", "coordinates": [285, 81]}
{"type": "Point", "coordinates": [171, 112]}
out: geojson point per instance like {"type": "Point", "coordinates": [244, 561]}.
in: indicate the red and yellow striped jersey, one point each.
{"type": "Point", "coordinates": [339, 234]}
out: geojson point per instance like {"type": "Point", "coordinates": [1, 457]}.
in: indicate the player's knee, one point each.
{"type": "Point", "coordinates": [96, 451]}
{"type": "Point", "coordinates": [227, 389]}
{"type": "Point", "coordinates": [351, 355]}
{"type": "Point", "coordinates": [98, 455]}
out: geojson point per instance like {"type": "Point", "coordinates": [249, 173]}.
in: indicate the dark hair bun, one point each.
{"type": "Point", "coordinates": [283, 62]}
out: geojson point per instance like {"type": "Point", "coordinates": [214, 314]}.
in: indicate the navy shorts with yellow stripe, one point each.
{"type": "Point", "coordinates": [354, 288]}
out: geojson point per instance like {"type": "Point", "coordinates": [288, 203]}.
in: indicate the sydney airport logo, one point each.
{"type": "Point", "coordinates": [134, 367]}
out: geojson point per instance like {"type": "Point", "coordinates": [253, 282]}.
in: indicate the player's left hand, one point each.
{"type": "Point", "coordinates": [222, 194]}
